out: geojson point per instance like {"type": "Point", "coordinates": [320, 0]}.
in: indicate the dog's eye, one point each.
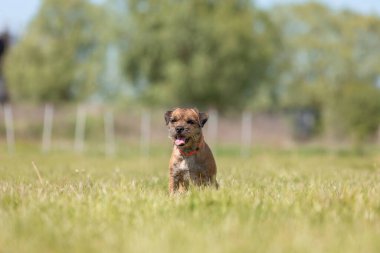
{"type": "Point", "coordinates": [191, 122]}
{"type": "Point", "coordinates": [173, 120]}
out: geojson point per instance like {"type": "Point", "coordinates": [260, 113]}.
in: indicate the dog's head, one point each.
{"type": "Point", "coordinates": [185, 126]}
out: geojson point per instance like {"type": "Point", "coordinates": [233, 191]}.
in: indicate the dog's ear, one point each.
{"type": "Point", "coordinates": [168, 114]}
{"type": "Point", "coordinates": [203, 117]}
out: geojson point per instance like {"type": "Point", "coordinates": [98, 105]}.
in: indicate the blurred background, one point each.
{"type": "Point", "coordinates": [270, 73]}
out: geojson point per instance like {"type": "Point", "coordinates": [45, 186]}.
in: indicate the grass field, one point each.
{"type": "Point", "coordinates": [274, 201]}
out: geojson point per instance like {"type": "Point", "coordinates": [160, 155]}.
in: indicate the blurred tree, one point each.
{"type": "Point", "coordinates": [61, 55]}
{"type": "Point", "coordinates": [357, 111]}
{"type": "Point", "coordinates": [326, 51]}
{"type": "Point", "coordinates": [208, 53]}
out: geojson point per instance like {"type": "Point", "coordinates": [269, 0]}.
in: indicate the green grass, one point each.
{"type": "Point", "coordinates": [286, 201]}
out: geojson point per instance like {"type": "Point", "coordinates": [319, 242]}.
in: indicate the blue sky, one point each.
{"type": "Point", "coordinates": [16, 14]}
{"type": "Point", "coordinates": [362, 6]}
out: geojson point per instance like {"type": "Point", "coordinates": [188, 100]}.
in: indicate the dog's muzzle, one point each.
{"type": "Point", "coordinates": [179, 129]}
{"type": "Point", "coordinates": [180, 140]}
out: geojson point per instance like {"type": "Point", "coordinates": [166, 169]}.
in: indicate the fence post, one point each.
{"type": "Point", "coordinates": [246, 133]}
{"type": "Point", "coordinates": [145, 133]}
{"type": "Point", "coordinates": [47, 128]}
{"type": "Point", "coordinates": [109, 132]}
{"type": "Point", "coordinates": [8, 117]}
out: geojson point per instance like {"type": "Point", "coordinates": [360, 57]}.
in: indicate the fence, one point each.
{"type": "Point", "coordinates": [118, 128]}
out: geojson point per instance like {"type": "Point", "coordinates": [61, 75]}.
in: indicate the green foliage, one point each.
{"type": "Point", "coordinates": [59, 57]}
{"type": "Point", "coordinates": [207, 53]}
{"type": "Point", "coordinates": [325, 49]}
{"type": "Point", "coordinates": [356, 110]}
{"type": "Point", "coordinates": [220, 54]}
{"type": "Point", "coordinates": [273, 202]}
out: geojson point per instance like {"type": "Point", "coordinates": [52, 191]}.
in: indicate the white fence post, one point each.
{"type": "Point", "coordinates": [246, 133]}
{"type": "Point", "coordinates": [145, 133]}
{"type": "Point", "coordinates": [8, 117]}
{"type": "Point", "coordinates": [109, 132]}
{"type": "Point", "coordinates": [47, 128]}
{"type": "Point", "coordinates": [80, 127]}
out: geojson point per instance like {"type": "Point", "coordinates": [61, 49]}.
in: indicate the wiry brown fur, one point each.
{"type": "Point", "coordinates": [199, 167]}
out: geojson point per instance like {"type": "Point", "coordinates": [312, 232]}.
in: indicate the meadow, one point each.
{"type": "Point", "coordinates": [272, 201]}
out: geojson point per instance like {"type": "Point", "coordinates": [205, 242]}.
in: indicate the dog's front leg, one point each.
{"type": "Point", "coordinates": [173, 182]}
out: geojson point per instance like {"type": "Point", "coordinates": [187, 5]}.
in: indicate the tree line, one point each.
{"type": "Point", "coordinates": [225, 55]}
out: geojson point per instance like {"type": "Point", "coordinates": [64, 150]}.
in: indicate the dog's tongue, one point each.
{"type": "Point", "coordinates": [180, 141]}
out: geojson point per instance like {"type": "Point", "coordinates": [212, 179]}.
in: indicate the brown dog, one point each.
{"type": "Point", "coordinates": [191, 158]}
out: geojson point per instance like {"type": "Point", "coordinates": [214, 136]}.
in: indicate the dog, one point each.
{"type": "Point", "coordinates": [191, 160]}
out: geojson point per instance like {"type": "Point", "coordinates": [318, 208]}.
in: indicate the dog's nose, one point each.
{"type": "Point", "coordinates": [179, 129]}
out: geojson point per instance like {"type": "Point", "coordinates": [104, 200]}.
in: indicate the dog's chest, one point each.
{"type": "Point", "coordinates": [188, 164]}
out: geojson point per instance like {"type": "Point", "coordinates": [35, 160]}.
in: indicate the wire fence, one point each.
{"type": "Point", "coordinates": [115, 128]}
